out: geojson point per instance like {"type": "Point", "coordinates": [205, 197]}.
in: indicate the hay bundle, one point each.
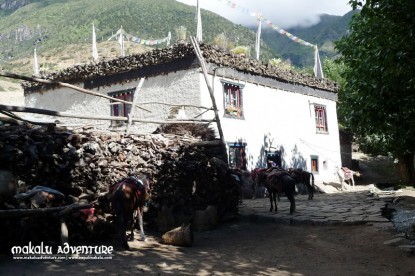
{"type": "Point", "coordinates": [202, 131]}
{"type": "Point", "coordinates": [180, 236]}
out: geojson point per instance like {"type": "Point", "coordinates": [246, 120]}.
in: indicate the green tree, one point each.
{"type": "Point", "coordinates": [378, 99]}
{"type": "Point", "coordinates": [333, 69]}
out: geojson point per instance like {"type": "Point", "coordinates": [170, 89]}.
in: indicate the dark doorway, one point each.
{"type": "Point", "coordinates": [273, 158]}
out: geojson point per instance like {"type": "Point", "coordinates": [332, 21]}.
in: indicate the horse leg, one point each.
{"type": "Point", "coordinates": [122, 227]}
{"type": "Point", "coordinates": [140, 220]}
{"type": "Point", "coordinates": [310, 190]}
{"type": "Point", "coordinates": [254, 187]}
{"type": "Point", "coordinates": [342, 183]}
{"type": "Point", "coordinates": [270, 200]}
{"type": "Point", "coordinates": [121, 223]}
{"type": "Point", "coordinates": [133, 225]}
{"type": "Point", "coordinates": [275, 200]}
{"type": "Point", "coordinates": [291, 198]}
{"type": "Point", "coordinates": [352, 180]}
{"type": "Point", "coordinates": [311, 179]}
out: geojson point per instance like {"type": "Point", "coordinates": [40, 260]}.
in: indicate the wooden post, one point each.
{"type": "Point", "coordinates": [212, 96]}
{"type": "Point", "coordinates": [130, 116]}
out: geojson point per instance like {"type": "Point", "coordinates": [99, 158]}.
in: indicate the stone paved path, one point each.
{"type": "Point", "coordinates": [342, 208]}
{"type": "Point", "coordinates": [345, 208]}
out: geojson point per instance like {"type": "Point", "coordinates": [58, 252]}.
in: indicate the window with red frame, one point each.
{"type": "Point", "coordinates": [121, 109]}
{"type": "Point", "coordinates": [233, 100]}
{"type": "Point", "coordinates": [237, 155]}
{"type": "Point", "coordinates": [314, 164]}
{"type": "Point", "coordinates": [321, 119]}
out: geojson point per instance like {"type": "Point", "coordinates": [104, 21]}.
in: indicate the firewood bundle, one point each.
{"type": "Point", "coordinates": [181, 53]}
{"type": "Point", "coordinates": [185, 172]}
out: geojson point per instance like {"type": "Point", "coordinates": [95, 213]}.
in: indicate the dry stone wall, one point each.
{"type": "Point", "coordinates": [186, 173]}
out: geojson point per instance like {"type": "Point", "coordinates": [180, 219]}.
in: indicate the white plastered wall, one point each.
{"type": "Point", "coordinates": [181, 87]}
{"type": "Point", "coordinates": [283, 120]}
{"type": "Point", "coordinates": [278, 118]}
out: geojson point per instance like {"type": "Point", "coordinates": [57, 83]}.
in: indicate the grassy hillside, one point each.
{"type": "Point", "coordinates": [329, 29]}
{"type": "Point", "coordinates": [62, 29]}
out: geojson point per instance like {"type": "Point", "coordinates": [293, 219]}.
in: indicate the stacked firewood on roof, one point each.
{"type": "Point", "coordinates": [185, 168]}
{"type": "Point", "coordinates": [211, 53]}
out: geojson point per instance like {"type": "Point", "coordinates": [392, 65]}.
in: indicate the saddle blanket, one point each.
{"type": "Point", "coordinates": [347, 172]}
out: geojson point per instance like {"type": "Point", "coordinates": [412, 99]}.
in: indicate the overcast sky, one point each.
{"type": "Point", "coordinates": [284, 13]}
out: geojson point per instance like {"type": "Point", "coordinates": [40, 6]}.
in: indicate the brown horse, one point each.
{"type": "Point", "coordinates": [305, 177]}
{"type": "Point", "coordinates": [259, 177]}
{"type": "Point", "coordinates": [276, 181]}
{"type": "Point", "coordinates": [128, 198]}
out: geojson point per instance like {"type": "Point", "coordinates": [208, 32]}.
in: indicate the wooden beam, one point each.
{"type": "Point", "coordinates": [92, 117]}
{"type": "Point", "coordinates": [63, 84]}
{"type": "Point", "coordinates": [207, 143]}
{"type": "Point", "coordinates": [130, 116]}
{"type": "Point", "coordinates": [16, 118]}
{"type": "Point", "coordinates": [212, 96]}
{"type": "Point", "coordinates": [41, 211]}
{"type": "Point", "coordinates": [185, 105]}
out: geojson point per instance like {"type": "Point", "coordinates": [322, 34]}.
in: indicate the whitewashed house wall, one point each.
{"type": "Point", "coordinates": [180, 87]}
{"type": "Point", "coordinates": [278, 115]}
{"type": "Point", "coordinates": [284, 120]}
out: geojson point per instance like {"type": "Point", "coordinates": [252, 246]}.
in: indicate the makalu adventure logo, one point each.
{"type": "Point", "coordinates": [63, 252]}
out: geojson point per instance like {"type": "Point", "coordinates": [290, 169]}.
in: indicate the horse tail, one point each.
{"type": "Point", "coordinates": [291, 186]}
{"type": "Point", "coordinates": [312, 180]}
{"type": "Point", "coordinates": [253, 174]}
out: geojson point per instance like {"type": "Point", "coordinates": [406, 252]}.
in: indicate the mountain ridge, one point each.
{"type": "Point", "coordinates": [57, 27]}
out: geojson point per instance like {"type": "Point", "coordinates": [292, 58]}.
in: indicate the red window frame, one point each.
{"type": "Point", "coordinates": [232, 94]}
{"type": "Point", "coordinates": [321, 118]}
{"type": "Point", "coordinates": [314, 164]}
{"type": "Point", "coordinates": [237, 155]}
{"type": "Point", "coordinates": [119, 109]}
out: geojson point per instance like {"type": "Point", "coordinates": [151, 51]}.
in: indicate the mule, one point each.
{"type": "Point", "coordinates": [280, 182]}
{"type": "Point", "coordinates": [346, 174]}
{"type": "Point", "coordinates": [276, 181]}
{"type": "Point", "coordinates": [259, 177]}
{"type": "Point", "coordinates": [305, 177]}
{"type": "Point", "coordinates": [128, 198]}
{"type": "Point", "coordinates": [255, 173]}
{"type": "Point", "coordinates": [236, 175]}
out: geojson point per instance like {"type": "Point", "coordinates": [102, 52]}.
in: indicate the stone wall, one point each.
{"type": "Point", "coordinates": [186, 173]}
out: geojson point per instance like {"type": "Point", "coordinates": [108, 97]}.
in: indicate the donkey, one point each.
{"type": "Point", "coordinates": [128, 198]}
{"type": "Point", "coordinates": [276, 181]}
{"type": "Point", "coordinates": [305, 177]}
{"type": "Point", "coordinates": [281, 182]}
{"type": "Point", "coordinates": [259, 177]}
{"type": "Point", "coordinates": [346, 174]}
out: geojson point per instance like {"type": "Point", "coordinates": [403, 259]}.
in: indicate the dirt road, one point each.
{"type": "Point", "coordinates": [244, 247]}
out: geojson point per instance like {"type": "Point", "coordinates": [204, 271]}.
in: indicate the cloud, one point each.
{"type": "Point", "coordinates": [280, 12]}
